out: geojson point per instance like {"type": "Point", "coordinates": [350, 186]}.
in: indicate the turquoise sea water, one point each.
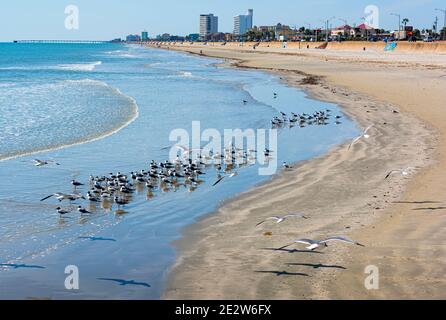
{"type": "Point", "coordinates": [106, 108]}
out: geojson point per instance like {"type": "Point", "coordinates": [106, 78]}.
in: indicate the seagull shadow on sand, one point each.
{"type": "Point", "coordinates": [284, 273]}
{"type": "Point", "coordinates": [416, 202]}
{"type": "Point", "coordinates": [123, 282]}
{"type": "Point", "coordinates": [429, 208]}
{"type": "Point", "coordinates": [317, 266]}
{"type": "Point", "coordinates": [292, 250]}
{"type": "Point", "coordinates": [20, 266]}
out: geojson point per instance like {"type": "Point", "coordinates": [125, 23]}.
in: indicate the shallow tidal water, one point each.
{"type": "Point", "coordinates": [98, 109]}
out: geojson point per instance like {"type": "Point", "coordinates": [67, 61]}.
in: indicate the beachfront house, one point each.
{"type": "Point", "coordinates": [365, 31]}
{"type": "Point", "coordinates": [344, 31]}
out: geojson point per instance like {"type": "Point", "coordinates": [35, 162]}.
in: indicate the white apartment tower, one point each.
{"type": "Point", "coordinates": [208, 24]}
{"type": "Point", "coordinates": [243, 23]}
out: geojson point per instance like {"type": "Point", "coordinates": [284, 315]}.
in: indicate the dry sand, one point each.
{"type": "Point", "coordinates": [402, 221]}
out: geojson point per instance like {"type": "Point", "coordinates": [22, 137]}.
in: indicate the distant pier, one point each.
{"type": "Point", "coordinates": [62, 41]}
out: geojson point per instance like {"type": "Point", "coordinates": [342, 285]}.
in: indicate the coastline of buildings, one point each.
{"type": "Point", "coordinates": [244, 30]}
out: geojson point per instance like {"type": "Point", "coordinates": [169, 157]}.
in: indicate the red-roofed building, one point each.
{"type": "Point", "coordinates": [365, 30]}
{"type": "Point", "coordinates": [343, 31]}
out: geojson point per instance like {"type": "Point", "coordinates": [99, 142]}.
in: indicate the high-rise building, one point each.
{"type": "Point", "coordinates": [243, 23]}
{"type": "Point", "coordinates": [133, 38]}
{"type": "Point", "coordinates": [144, 36]}
{"type": "Point", "coordinates": [208, 24]}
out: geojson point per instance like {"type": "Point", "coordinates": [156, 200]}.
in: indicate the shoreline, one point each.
{"type": "Point", "coordinates": [199, 263]}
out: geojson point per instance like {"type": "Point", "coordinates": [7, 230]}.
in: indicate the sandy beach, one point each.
{"type": "Point", "coordinates": [401, 220]}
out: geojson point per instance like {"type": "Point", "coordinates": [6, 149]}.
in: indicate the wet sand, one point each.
{"type": "Point", "coordinates": [400, 220]}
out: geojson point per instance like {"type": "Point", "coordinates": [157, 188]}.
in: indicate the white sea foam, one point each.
{"type": "Point", "coordinates": [79, 66]}
{"type": "Point", "coordinates": [67, 67]}
{"type": "Point", "coordinates": [44, 95]}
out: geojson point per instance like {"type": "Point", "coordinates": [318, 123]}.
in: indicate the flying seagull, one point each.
{"type": "Point", "coordinates": [282, 219]}
{"type": "Point", "coordinates": [232, 175]}
{"type": "Point", "coordinates": [63, 196]}
{"type": "Point", "coordinates": [41, 163]}
{"type": "Point", "coordinates": [314, 244]}
{"type": "Point", "coordinates": [187, 151]}
{"type": "Point", "coordinates": [404, 171]}
{"type": "Point", "coordinates": [363, 135]}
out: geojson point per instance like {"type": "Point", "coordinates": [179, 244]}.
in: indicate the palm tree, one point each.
{"type": "Point", "coordinates": [405, 22]}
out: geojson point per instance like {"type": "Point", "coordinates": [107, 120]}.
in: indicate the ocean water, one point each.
{"type": "Point", "coordinates": [97, 109]}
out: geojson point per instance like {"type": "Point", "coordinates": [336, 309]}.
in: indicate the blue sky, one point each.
{"type": "Point", "coordinates": [106, 19]}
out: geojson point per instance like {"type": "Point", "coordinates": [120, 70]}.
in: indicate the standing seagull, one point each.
{"type": "Point", "coordinates": [76, 183]}
{"type": "Point", "coordinates": [83, 210]}
{"type": "Point", "coordinates": [363, 135]}
{"type": "Point", "coordinates": [285, 165]}
{"type": "Point", "coordinates": [61, 211]}
{"type": "Point", "coordinates": [282, 219]}
{"type": "Point", "coordinates": [404, 171]}
{"type": "Point", "coordinates": [314, 244]}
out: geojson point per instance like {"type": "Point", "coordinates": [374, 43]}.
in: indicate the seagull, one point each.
{"type": "Point", "coordinates": [232, 175]}
{"type": "Point", "coordinates": [76, 183]}
{"type": "Point", "coordinates": [62, 211]}
{"type": "Point", "coordinates": [59, 195]}
{"type": "Point", "coordinates": [187, 151]}
{"type": "Point", "coordinates": [314, 244]}
{"type": "Point", "coordinates": [282, 219]}
{"type": "Point", "coordinates": [41, 163]}
{"type": "Point", "coordinates": [83, 210]}
{"type": "Point", "coordinates": [404, 171]}
{"type": "Point", "coordinates": [63, 196]}
{"type": "Point", "coordinates": [120, 202]}
{"type": "Point", "coordinates": [363, 135]}
{"type": "Point", "coordinates": [287, 166]}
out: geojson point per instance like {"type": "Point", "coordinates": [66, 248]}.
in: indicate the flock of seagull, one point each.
{"type": "Point", "coordinates": [186, 171]}
{"type": "Point", "coordinates": [318, 118]}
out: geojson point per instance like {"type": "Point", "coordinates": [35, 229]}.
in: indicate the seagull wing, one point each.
{"type": "Point", "coordinates": [293, 215]}
{"type": "Point", "coordinates": [182, 148]}
{"type": "Point", "coordinates": [390, 173]}
{"type": "Point", "coordinates": [46, 198]}
{"type": "Point", "coordinates": [267, 219]}
{"type": "Point", "coordinates": [218, 181]}
{"type": "Point", "coordinates": [353, 142]}
{"type": "Point", "coordinates": [341, 239]}
{"type": "Point", "coordinates": [368, 128]}
{"type": "Point", "coordinates": [305, 241]}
